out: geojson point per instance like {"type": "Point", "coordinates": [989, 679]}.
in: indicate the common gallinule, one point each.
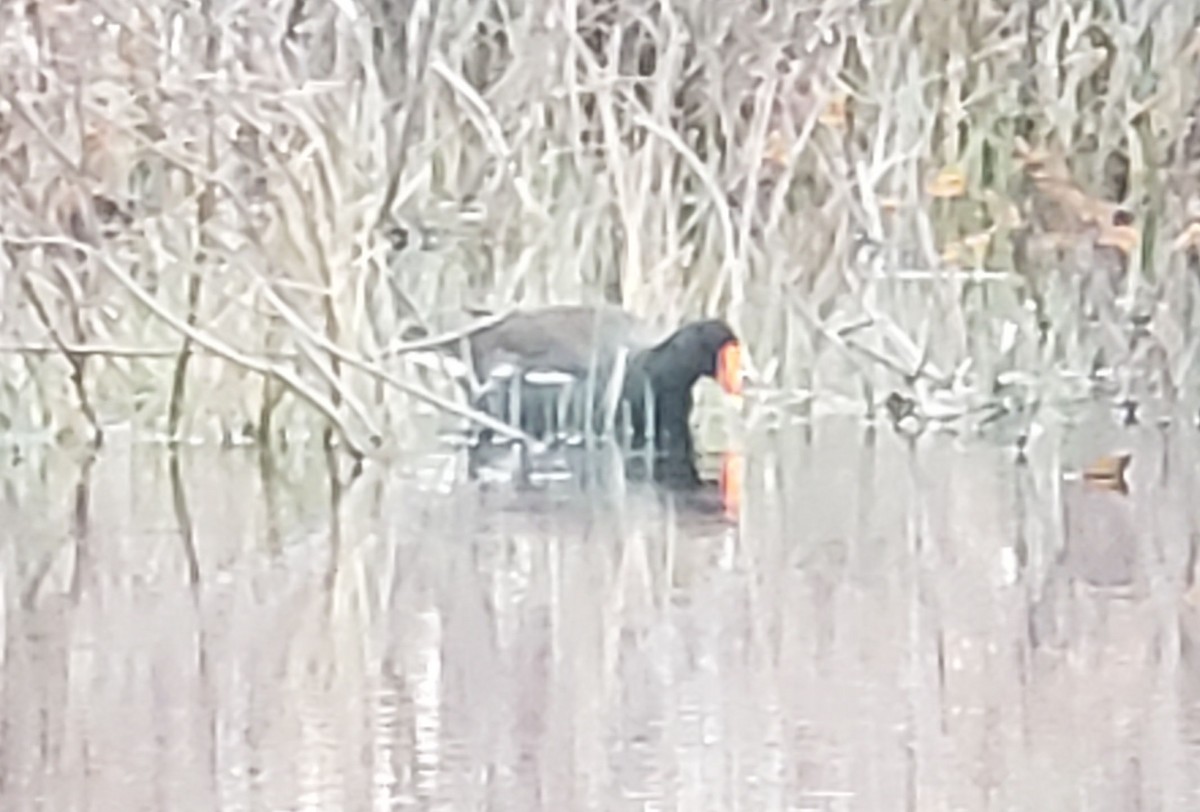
{"type": "Point", "coordinates": [558, 366]}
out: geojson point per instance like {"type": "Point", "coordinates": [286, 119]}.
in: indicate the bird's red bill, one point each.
{"type": "Point", "coordinates": [729, 368]}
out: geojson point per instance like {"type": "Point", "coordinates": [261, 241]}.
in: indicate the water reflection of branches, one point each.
{"type": "Point", "coordinates": [79, 533]}
{"type": "Point", "coordinates": [183, 517]}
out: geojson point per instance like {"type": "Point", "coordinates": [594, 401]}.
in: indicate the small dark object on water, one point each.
{"type": "Point", "coordinates": [899, 407]}
{"type": "Point", "coordinates": [1129, 411]}
{"type": "Point", "coordinates": [1022, 443]}
{"type": "Point", "coordinates": [1108, 472]}
{"type": "Point", "coordinates": [571, 362]}
{"type": "Point", "coordinates": [903, 412]}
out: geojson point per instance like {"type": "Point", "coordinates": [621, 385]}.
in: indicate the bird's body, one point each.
{"type": "Point", "coordinates": [577, 366]}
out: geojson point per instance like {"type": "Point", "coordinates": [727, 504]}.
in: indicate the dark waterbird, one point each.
{"type": "Point", "coordinates": [560, 368]}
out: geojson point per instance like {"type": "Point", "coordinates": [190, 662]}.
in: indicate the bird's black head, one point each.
{"type": "Point", "coordinates": [707, 347]}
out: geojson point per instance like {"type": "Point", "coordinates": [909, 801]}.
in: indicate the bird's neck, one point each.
{"type": "Point", "coordinates": [655, 365]}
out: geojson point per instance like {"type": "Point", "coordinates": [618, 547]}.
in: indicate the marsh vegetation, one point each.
{"type": "Point", "coordinates": [219, 217]}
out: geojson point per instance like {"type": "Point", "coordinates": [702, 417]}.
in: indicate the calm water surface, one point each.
{"type": "Point", "coordinates": [882, 626]}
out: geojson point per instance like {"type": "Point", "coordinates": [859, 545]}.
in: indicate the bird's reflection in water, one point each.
{"type": "Point", "coordinates": [607, 469]}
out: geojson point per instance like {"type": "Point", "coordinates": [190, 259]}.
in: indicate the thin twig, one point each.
{"type": "Point", "coordinates": [447, 338]}
{"type": "Point", "coordinates": [77, 363]}
{"type": "Point", "coordinates": [294, 319]}
{"type": "Point", "coordinates": [106, 351]}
